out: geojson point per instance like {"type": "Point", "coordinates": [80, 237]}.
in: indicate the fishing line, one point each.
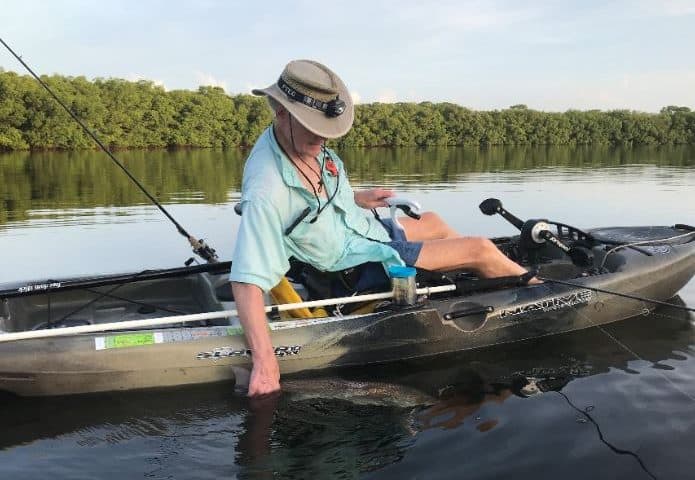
{"type": "Point", "coordinates": [616, 340]}
{"type": "Point", "coordinates": [585, 412]}
{"type": "Point", "coordinates": [622, 345]}
{"type": "Point", "coordinates": [625, 347]}
{"type": "Point", "coordinates": [199, 246]}
{"type": "Point", "coordinates": [618, 294]}
{"type": "Point", "coordinates": [135, 302]}
{"type": "Point", "coordinates": [634, 354]}
{"type": "Point", "coordinates": [633, 297]}
{"type": "Point", "coordinates": [615, 449]}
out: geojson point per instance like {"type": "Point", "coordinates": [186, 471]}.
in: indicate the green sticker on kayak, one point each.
{"type": "Point", "coordinates": [231, 331]}
{"type": "Point", "coordinates": [130, 340]}
{"type": "Point", "coordinates": [143, 339]}
{"type": "Point", "coordinates": [127, 340]}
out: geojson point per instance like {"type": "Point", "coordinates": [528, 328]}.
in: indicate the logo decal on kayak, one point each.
{"type": "Point", "coordinates": [222, 352]}
{"type": "Point", "coordinates": [581, 297]}
{"type": "Point", "coordinates": [39, 287]}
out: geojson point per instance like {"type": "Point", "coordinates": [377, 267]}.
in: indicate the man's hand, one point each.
{"type": "Point", "coordinates": [373, 198]}
{"type": "Point", "coordinates": [265, 375]}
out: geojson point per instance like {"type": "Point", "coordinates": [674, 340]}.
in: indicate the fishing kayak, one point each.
{"type": "Point", "coordinates": [591, 277]}
{"type": "Point", "coordinates": [177, 326]}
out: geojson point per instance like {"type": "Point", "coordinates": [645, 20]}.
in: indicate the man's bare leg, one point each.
{"type": "Point", "coordinates": [475, 253]}
{"type": "Point", "coordinates": [430, 227]}
{"type": "Point", "coordinates": [445, 249]}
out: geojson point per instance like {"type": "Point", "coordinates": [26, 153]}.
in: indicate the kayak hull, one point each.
{"type": "Point", "coordinates": [181, 355]}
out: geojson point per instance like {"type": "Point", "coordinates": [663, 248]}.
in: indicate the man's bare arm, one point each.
{"type": "Point", "coordinates": [265, 375]}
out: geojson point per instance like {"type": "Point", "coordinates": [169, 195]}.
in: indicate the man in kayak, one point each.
{"type": "Point", "coordinates": [297, 202]}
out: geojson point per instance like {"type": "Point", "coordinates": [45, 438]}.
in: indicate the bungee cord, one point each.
{"type": "Point", "coordinates": [663, 241]}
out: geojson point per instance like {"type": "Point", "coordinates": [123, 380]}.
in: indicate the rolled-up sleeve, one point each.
{"type": "Point", "coordinates": [260, 257]}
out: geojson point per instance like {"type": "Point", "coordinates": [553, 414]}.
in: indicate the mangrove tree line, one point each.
{"type": "Point", "coordinates": [140, 114]}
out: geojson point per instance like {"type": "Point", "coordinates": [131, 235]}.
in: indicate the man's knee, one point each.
{"type": "Point", "coordinates": [432, 217]}
{"type": "Point", "coordinates": [435, 224]}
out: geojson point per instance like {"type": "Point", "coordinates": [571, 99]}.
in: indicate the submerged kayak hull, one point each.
{"type": "Point", "coordinates": [180, 355]}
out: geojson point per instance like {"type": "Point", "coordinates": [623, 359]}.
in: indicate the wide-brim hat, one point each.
{"type": "Point", "coordinates": [315, 96]}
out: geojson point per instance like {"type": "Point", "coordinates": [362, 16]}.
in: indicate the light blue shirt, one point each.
{"type": "Point", "coordinates": [273, 197]}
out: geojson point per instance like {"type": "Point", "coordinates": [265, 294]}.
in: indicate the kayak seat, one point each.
{"type": "Point", "coordinates": [320, 285]}
{"type": "Point", "coordinates": [359, 280]}
{"type": "Point", "coordinates": [284, 293]}
{"type": "Point", "coordinates": [371, 278]}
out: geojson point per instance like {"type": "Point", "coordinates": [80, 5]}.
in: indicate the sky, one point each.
{"type": "Point", "coordinates": [549, 55]}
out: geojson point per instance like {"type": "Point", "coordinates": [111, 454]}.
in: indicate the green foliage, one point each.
{"type": "Point", "coordinates": [142, 115]}
{"type": "Point", "coordinates": [427, 124]}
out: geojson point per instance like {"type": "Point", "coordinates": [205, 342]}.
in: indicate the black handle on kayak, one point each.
{"type": "Point", "coordinates": [550, 237]}
{"type": "Point", "coordinates": [492, 206]}
{"type": "Point", "coordinates": [534, 233]}
{"type": "Point", "coordinates": [579, 256]}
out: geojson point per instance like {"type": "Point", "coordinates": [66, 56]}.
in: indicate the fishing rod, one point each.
{"type": "Point", "coordinates": [199, 246]}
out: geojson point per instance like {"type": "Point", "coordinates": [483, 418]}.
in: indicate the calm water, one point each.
{"type": "Point", "coordinates": [599, 408]}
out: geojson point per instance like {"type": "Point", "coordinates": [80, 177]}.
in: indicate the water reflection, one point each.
{"type": "Point", "coordinates": [86, 180]}
{"type": "Point", "coordinates": [449, 164]}
{"type": "Point", "coordinates": [35, 184]}
{"type": "Point", "coordinates": [475, 395]}
{"type": "Point", "coordinates": [468, 419]}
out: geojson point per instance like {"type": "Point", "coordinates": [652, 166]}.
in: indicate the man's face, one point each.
{"type": "Point", "coordinates": [306, 143]}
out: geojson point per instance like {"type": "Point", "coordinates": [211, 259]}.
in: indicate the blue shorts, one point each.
{"type": "Point", "coordinates": [372, 276]}
{"type": "Point", "coordinates": [408, 251]}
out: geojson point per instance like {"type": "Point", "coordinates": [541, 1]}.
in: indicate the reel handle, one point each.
{"type": "Point", "coordinates": [534, 233]}
{"type": "Point", "coordinates": [493, 206]}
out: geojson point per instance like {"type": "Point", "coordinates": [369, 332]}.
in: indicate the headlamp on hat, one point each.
{"type": "Point", "coordinates": [315, 96]}
{"type": "Point", "coordinates": [333, 108]}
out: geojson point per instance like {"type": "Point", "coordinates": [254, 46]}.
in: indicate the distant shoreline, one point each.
{"type": "Point", "coordinates": [141, 115]}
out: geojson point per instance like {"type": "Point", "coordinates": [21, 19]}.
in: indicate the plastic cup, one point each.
{"type": "Point", "coordinates": [403, 284]}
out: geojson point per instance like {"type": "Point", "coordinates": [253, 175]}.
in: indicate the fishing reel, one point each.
{"type": "Point", "coordinates": [203, 250]}
{"type": "Point", "coordinates": [536, 232]}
